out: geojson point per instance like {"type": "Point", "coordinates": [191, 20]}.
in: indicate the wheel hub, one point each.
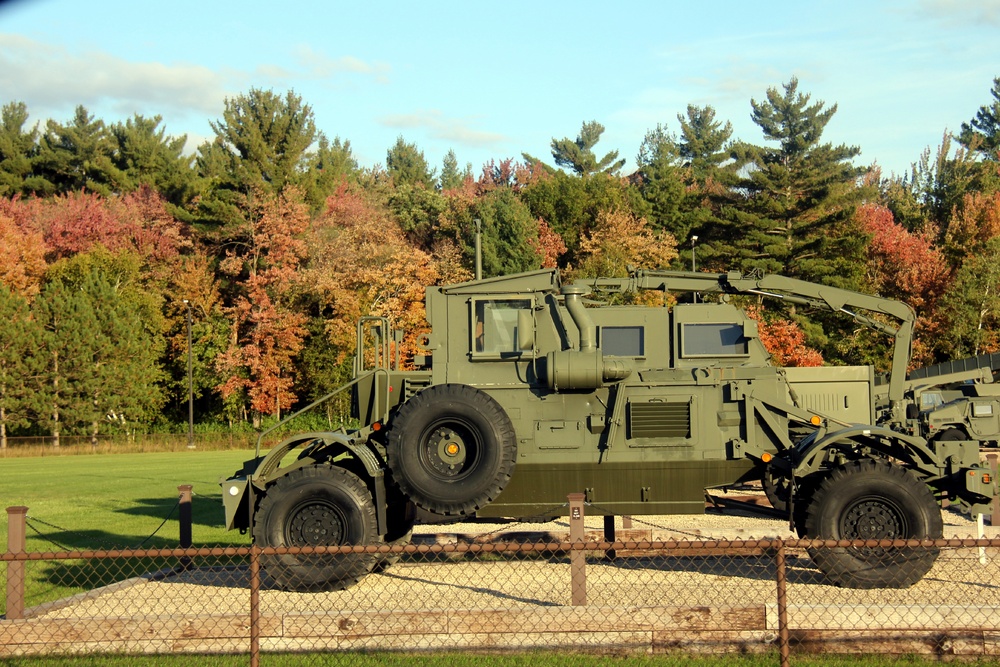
{"type": "Point", "coordinates": [316, 524]}
{"type": "Point", "coordinates": [446, 451]}
{"type": "Point", "coordinates": [873, 520]}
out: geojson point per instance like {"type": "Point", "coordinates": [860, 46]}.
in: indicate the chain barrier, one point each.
{"type": "Point", "coordinates": [29, 520]}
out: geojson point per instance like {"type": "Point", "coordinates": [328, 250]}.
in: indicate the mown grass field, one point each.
{"type": "Point", "coordinates": [111, 501]}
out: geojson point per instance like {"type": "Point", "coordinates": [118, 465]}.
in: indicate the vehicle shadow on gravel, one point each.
{"type": "Point", "coordinates": [799, 570]}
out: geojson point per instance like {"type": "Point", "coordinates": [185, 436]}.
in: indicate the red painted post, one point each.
{"type": "Point", "coordinates": [577, 557]}
{"type": "Point", "coordinates": [16, 544]}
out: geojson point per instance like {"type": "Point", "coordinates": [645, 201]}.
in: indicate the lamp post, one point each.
{"type": "Point", "coordinates": [694, 239]}
{"type": "Point", "coordinates": [190, 380]}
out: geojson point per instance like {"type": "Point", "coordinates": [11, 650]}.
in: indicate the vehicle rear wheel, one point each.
{"type": "Point", "coordinates": [777, 489]}
{"type": "Point", "coordinates": [451, 449]}
{"type": "Point", "coordinates": [873, 500]}
{"type": "Point", "coordinates": [317, 505]}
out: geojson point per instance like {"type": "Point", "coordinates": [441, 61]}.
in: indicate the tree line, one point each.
{"type": "Point", "coordinates": [273, 240]}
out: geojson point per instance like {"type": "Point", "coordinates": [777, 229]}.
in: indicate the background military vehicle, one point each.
{"type": "Point", "coordinates": [524, 391]}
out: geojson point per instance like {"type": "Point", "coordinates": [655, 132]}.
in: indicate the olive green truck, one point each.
{"type": "Point", "coordinates": [527, 389]}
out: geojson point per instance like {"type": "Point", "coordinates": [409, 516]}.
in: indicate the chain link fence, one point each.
{"type": "Point", "coordinates": [557, 585]}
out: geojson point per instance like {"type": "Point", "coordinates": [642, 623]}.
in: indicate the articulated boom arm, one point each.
{"type": "Point", "coordinates": [795, 291]}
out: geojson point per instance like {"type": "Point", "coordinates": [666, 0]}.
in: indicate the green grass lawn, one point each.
{"type": "Point", "coordinates": [117, 500]}
{"type": "Point", "coordinates": [107, 501]}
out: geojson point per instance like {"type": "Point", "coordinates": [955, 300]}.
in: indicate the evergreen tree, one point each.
{"type": "Point", "coordinates": [982, 133]}
{"type": "Point", "coordinates": [145, 155]}
{"type": "Point", "coordinates": [77, 156]}
{"type": "Point", "coordinates": [331, 164]}
{"type": "Point", "coordinates": [407, 165]}
{"type": "Point", "coordinates": [18, 344]}
{"type": "Point", "coordinates": [578, 154]}
{"type": "Point", "coordinates": [113, 377]}
{"type": "Point", "coordinates": [509, 234]}
{"type": "Point", "coordinates": [800, 195]}
{"type": "Point", "coordinates": [684, 179]}
{"type": "Point", "coordinates": [68, 343]}
{"type": "Point", "coordinates": [261, 145]}
{"type": "Point", "coordinates": [18, 147]}
{"type": "Point", "coordinates": [451, 177]}
{"type": "Point", "coordinates": [704, 142]}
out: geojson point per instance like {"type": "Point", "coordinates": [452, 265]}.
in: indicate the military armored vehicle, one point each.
{"type": "Point", "coordinates": [527, 389]}
{"type": "Point", "coordinates": [957, 400]}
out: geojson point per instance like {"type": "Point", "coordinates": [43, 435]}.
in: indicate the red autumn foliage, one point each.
{"type": "Point", "coordinates": [76, 222]}
{"type": "Point", "coordinates": [784, 340]}
{"type": "Point", "coordinates": [903, 265]}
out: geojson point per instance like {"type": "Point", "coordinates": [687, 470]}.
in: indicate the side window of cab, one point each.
{"type": "Point", "coordinates": [497, 325]}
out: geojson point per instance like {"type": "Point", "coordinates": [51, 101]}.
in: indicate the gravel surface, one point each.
{"type": "Point", "coordinates": [496, 582]}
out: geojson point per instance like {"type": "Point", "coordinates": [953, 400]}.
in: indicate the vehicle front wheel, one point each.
{"type": "Point", "coordinates": [873, 500]}
{"type": "Point", "coordinates": [317, 505]}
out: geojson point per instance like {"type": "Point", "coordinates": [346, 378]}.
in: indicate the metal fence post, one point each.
{"type": "Point", "coordinates": [254, 605]}
{"type": "Point", "coordinates": [781, 576]}
{"type": "Point", "coordinates": [577, 557]}
{"type": "Point", "coordinates": [16, 543]}
{"type": "Point", "coordinates": [184, 517]}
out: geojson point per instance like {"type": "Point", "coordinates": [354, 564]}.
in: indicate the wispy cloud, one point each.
{"type": "Point", "coordinates": [52, 77]}
{"type": "Point", "coordinates": [972, 13]}
{"type": "Point", "coordinates": [320, 66]}
{"type": "Point", "coordinates": [439, 126]}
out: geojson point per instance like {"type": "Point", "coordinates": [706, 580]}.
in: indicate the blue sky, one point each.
{"type": "Point", "coordinates": [493, 80]}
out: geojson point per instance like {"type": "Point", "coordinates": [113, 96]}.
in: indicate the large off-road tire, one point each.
{"type": "Point", "coordinates": [873, 500]}
{"type": "Point", "coordinates": [451, 449]}
{"type": "Point", "coordinates": [776, 488]}
{"type": "Point", "coordinates": [318, 505]}
{"type": "Point", "coordinates": [401, 516]}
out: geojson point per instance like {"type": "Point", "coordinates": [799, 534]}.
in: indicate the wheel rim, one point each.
{"type": "Point", "coordinates": [450, 450]}
{"type": "Point", "coordinates": [316, 523]}
{"type": "Point", "coordinates": [874, 518]}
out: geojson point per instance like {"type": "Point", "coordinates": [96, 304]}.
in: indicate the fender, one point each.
{"type": "Point", "coordinates": [258, 473]}
{"type": "Point", "coordinates": [810, 451]}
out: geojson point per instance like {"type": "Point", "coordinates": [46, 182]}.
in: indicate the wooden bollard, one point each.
{"type": "Point", "coordinates": [577, 557]}
{"type": "Point", "coordinates": [16, 544]}
{"type": "Point", "coordinates": [184, 517]}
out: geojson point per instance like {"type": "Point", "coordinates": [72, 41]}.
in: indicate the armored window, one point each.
{"type": "Point", "coordinates": [714, 340]}
{"type": "Point", "coordinates": [495, 329]}
{"type": "Point", "coordinates": [623, 341]}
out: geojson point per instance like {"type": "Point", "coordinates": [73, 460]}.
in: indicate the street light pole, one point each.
{"type": "Point", "coordinates": [693, 265]}
{"type": "Point", "coordinates": [190, 380]}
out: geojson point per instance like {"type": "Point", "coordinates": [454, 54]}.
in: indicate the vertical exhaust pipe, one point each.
{"type": "Point", "coordinates": [574, 304]}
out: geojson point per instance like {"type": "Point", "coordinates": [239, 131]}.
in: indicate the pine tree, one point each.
{"type": "Point", "coordinates": [77, 156]}
{"type": "Point", "coordinates": [19, 339]}
{"type": "Point", "coordinates": [982, 133]}
{"type": "Point", "coordinates": [407, 165]}
{"type": "Point", "coordinates": [67, 344]}
{"type": "Point", "coordinates": [261, 145]}
{"type": "Point", "coordinates": [146, 155]}
{"type": "Point", "coordinates": [800, 195]}
{"type": "Point", "coordinates": [17, 151]}
{"type": "Point", "coordinates": [578, 154]}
